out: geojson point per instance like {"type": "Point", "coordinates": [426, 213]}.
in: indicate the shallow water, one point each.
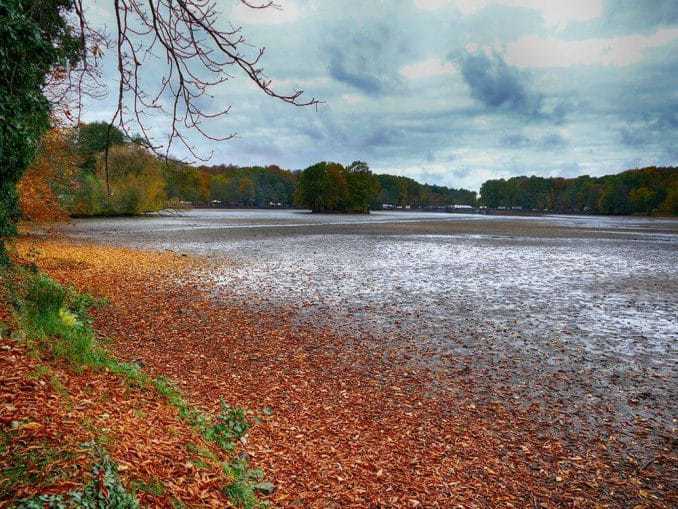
{"type": "Point", "coordinates": [581, 309]}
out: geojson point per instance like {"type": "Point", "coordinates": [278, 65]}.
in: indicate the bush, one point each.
{"type": "Point", "coordinates": [57, 318]}
{"type": "Point", "coordinates": [44, 295]}
{"type": "Point", "coordinates": [88, 198]}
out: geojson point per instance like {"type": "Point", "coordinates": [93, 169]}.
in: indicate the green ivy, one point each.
{"type": "Point", "coordinates": [34, 39]}
{"type": "Point", "coordinates": [104, 491]}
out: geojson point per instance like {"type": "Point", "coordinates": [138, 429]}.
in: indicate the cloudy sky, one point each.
{"type": "Point", "coordinates": [454, 92]}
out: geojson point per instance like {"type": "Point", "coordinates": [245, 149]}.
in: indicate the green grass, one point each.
{"type": "Point", "coordinates": [39, 372]}
{"type": "Point", "coordinates": [200, 455]}
{"type": "Point", "coordinates": [241, 492]}
{"type": "Point", "coordinates": [56, 319]}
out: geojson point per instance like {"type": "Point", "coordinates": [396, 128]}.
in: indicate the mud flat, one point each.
{"type": "Point", "coordinates": [575, 318]}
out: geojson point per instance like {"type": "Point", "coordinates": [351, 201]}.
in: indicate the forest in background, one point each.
{"type": "Point", "coordinates": [70, 178]}
{"type": "Point", "coordinates": [645, 191]}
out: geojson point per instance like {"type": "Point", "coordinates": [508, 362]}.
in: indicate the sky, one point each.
{"type": "Point", "coordinates": [451, 92]}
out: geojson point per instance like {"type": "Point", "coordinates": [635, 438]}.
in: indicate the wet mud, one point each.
{"type": "Point", "coordinates": [577, 314]}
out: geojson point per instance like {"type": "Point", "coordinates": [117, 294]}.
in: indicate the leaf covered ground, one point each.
{"type": "Point", "coordinates": [337, 424]}
{"type": "Point", "coordinates": [52, 418]}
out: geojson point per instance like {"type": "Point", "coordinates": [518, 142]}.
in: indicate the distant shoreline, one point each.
{"type": "Point", "coordinates": [475, 210]}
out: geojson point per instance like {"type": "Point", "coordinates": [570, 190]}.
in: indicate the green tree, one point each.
{"type": "Point", "coordinates": [669, 206]}
{"type": "Point", "coordinates": [614, 198]}
{"type": "Point", "coordinates": [94, 138]}
{"type": "Point", "coordinates": [247, 191]}
{"type": "Point", "coordinates": [641, 191]}
{"type": "Point", "coordinates": [219, 188]}
{"type": "Point", "coordinates": [363, 187]}
{"type": "Point", "coordinates": [642, 199]}
{"type": "Point", "coordinates": [34, 39]}
{"type": "Point", "coordinates": [185, 183]}
{"type": "Point", "coordinates": [323, 187]}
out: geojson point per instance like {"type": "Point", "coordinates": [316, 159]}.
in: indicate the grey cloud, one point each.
{"type": "Point", "coordinates": [354, 75]}
{"type": "Point", "coordinates": [514, 141]}
{"type": "Point", "coordinates": [632, 137]}
{"type": "Point", "coordinates": [658, 133]}
{"type": "Point", "coordinates": [368, 60]}
{"type": "Point", "coordinates": [499, 86]}
{"type": "Point", "coordinates": [553, 141]}
{"type": "Point", "coordinates": [550, 141]}
{"type": "Point", "coordinates": [641, 15]}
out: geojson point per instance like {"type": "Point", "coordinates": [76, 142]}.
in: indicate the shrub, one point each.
{"type": "Point", "coordinates": [231, 425]}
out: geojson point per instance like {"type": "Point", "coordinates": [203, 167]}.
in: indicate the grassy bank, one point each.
{"type": "Point", "coordinates": [60, 437]}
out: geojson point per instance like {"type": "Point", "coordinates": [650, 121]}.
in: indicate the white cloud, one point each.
{"type": "Point", "coordinates": [301, 83]}
{"type": "Point", "coordinates": [353, 98]}
{"type": "Point", "coordinates": [556, 13]}
{"type": "Point", "coordinates": [429, 68]}
{"type": "Point", "coordinates": [287, 12]}
{"type": "Point", "coordinates": [539, 52]}
{"type": "Point", "coordinates": [430, 5]}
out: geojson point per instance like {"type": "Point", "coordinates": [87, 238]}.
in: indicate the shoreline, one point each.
{"type": "Point", "coordinates": [312, 445]}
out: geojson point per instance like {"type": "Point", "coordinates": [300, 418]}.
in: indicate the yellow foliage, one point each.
{"type": "Point", "coordinates": [55, 167]}
{"type": "Point", "coordinates": [135, 178]}
{"type": "Point", "coordinates": [68, 318]}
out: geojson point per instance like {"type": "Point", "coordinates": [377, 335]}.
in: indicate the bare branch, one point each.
{"type": "Point", "coordinates": [196, 55]}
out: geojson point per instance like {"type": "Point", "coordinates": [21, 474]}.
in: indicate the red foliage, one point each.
{"type": "Point", "coordinates": [55, 164]}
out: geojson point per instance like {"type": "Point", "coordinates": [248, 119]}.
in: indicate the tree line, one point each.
{"type": "Point", "coordinates": [646, 191]}
{"type": "Point", "coordinates": [407, 192]}
{"type": "Point", "coordinates": [70, 177]}
{"type": "Point", "coordinates": [98, 170]}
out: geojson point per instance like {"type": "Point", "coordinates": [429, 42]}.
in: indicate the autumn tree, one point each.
{"type": "Point", "coordinates": [35, 38]}
{"type": "Point", "coordinates": [136, 181]}
{"type": "Point", "coordinates": [50, 57]}
{"type": "Point", "coordinates": [52, 174]}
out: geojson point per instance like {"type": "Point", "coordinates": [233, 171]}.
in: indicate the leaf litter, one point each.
{"type": "Point", "coordinates": [337, 424]}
